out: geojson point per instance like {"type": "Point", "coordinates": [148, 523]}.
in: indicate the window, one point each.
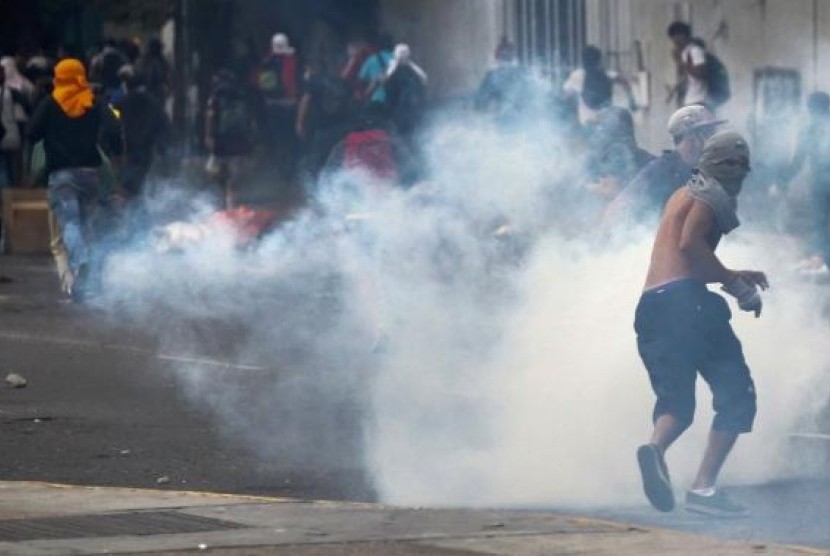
{"type": "Point", "coordinates": [548, 33]}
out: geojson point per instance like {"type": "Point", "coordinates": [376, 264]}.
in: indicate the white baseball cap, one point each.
{"type": "Point", "coordinates": [690, 118]}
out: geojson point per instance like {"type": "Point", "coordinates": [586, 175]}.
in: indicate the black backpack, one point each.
{"type": "Point", "coordinates": [597, 89]}
{"type": "Point", "coordinates": [717, 80]}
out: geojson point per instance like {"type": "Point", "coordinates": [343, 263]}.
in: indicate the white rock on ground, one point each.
{"type": "Point", "coordinates": [14, 380]}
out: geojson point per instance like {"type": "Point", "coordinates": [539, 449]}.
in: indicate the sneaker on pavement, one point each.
{"type": "Point", "coordinates": [656, 481]}
{"type": "Point", "coordinates": [718, 504]}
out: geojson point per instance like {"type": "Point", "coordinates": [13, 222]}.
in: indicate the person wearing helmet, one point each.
{"type": "Point", "coordinates": [647, 193]}
{"type": "Point", "coordinates": [683, 328]}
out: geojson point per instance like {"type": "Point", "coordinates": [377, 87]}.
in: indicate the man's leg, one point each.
{"type": "Point", "coordinates": [59, 253]}
{"type": "Point", "coordinates": [733, 397]}
{"type": "Point", "coordinates": [704, 497]}
{"type": "Point", "coordinates": [63, 198]}
{"type": "Point", "coordinates": [667, 429]}
{"type": "Point", "coordinates": [666, 334]}
{"type": "Point", "coordinates": [717, 449]}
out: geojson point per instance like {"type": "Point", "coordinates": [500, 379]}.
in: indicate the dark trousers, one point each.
{"type": "Point", "coordinates": [683, 329]}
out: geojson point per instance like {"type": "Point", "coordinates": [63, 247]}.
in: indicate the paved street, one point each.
{"type": "Point", "coordinates": [104, 407]}
{"type": "Point", "coordinates": [794, 512]}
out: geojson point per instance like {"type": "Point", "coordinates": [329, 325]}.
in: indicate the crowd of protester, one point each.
{"type": "Point", "coordinates": [308, 116]}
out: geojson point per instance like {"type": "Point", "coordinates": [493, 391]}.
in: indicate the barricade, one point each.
{"type": "Point", "coordinates": [26, 221]}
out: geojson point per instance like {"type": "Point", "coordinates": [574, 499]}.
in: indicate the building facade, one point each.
{"type": "Point", "coordinates": [773, 49]}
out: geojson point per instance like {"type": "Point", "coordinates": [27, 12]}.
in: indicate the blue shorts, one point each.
{"type": "Point", "coordinates": [683, 329]}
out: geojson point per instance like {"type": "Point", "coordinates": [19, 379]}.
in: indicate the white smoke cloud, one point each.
{"type": "Point", "coordinates": [485, 370]}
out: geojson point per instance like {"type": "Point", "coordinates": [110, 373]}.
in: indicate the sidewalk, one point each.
{"type": "Point", "coordinates": [48, 519]}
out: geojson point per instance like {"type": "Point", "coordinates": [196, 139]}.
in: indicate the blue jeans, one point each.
{"type": "Point", "coordinates": [74, 196]}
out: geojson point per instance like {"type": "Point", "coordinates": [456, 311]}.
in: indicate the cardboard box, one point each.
{"type": "Point", "coordinates": [26, 221]}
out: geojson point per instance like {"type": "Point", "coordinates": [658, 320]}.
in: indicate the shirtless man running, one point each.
{"type": "Point", "coordinates": [683, 328]}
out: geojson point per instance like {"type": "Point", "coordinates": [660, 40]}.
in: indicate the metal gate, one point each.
{"type": "Point", "coordinates": [549, 34]}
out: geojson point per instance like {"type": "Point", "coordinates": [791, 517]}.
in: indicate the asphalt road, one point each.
{"type": "Point", "coordinates": [101, 407]}
{"type": "Point", "coordinates": [790, 512]}
{"type": "Point", "coordinates": [104, 407]}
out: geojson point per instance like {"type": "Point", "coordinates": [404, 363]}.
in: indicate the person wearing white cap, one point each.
{"type": "Point", "coordinates": [683, 328]}
{"type": "Point", "coordinates": [278, 83]}
{"type": "Point", "coordinates": [650, 189]}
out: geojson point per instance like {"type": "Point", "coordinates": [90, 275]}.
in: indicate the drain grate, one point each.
{"type": "Point", "coordinates": [109, 525]}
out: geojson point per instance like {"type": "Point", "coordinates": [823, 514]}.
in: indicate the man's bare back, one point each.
{"type": "Point", "coordinates": [684, 222]}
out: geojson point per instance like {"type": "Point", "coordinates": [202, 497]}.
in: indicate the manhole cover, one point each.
{"type": "Point", "coordinates": [109, 525]}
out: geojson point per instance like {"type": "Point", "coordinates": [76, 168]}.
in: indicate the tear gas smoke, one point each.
{"type": "Point", "coordinates": [478, 369]}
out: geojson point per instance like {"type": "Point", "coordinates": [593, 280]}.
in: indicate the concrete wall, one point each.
{"type": "Point", "coordinates": [453, 40]}
{"type": "Point", "coordinates": [745, 34]}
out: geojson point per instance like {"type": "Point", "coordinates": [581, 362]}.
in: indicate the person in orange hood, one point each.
{"type": "Point", "coordinates": [72, 124]}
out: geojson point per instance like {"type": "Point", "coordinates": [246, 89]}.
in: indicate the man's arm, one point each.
{"type": "Point", "coordinates": [741, 284]}
{"type": "Point", "coordinates": [302, 115]}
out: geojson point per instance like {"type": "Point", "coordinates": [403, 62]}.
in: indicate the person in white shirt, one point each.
{"type": "Point", "coordinates": [691, 64]}
{"type": "Point", "coordinates": [593, 85]}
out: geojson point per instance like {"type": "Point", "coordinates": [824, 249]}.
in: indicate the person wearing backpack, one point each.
{"type": "Point", "coordinates": [702, 77]}
{"type": "Point", "coordinates": [593, 86]}
{"type": "Point", "coordinates": [718, 87]}
{"type": "Point", "coordinates": [405, 92]}
{"type": "Point", "coordinates": [373, 71]}
{"type": "Point", "coordinates": [372, 149]}
{"type": "Point", "coordinates": [230, 125]}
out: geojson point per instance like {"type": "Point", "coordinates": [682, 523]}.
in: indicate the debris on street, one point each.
{"type": "Point", "coordinates": [14, 380]}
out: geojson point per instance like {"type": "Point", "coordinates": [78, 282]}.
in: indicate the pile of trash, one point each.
{"type": "Point", "coordinates": [245, 225]}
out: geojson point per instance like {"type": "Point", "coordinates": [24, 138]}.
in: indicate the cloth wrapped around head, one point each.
{"type": "Point", "coordinates": [726, 158]}
{"type": "Point", "coordinates": [721, 171]}
{"type": "Point", "coordinates": [72, 91]}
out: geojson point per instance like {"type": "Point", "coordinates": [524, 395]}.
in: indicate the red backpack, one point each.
{"type": "Point", "coordinates": [371, 150]}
